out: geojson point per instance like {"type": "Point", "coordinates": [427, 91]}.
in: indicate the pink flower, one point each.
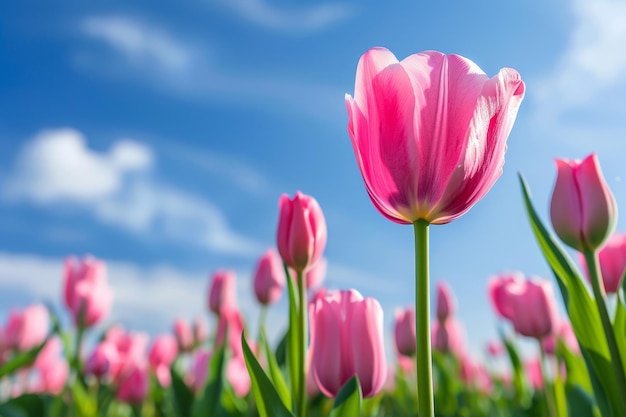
{"type": "Point", "coordinates": [200, 331]}
{"type": "Point", "coordinates": [197, 374]}
{"type": "Point", "coordinates": [301, 235]}
{"type": "Point", "coordinates": [533, 370]}
{"type": "Point", "coordinates": [27, 329]}
{"type": "Point", "coordinates": [529, 304]}
{"type": "Point", "coordinates": [234, 324]}
{"type": "Point", "coordinates": [133, 387]}
{"type": "Point", "coordinates": [446, 305]}
{"type": "Point", "coordinates": [51, 368]}
{"type": "Point", "coordinates": [237, 375]}
{"type": "Point", "coordinates": [162, 353]}
{"type": "Point", "coordinates": [184, 335]}
{"type": "Point", "coordinates": [347, 334]}
{"type": "Point", "coordinates": [612, 259]}
{"type": "Point", "coordinates": [495, 349]}
{"type": "Point", "coordinates": [86, 291]}
{"type": "Point", "coordinates": [223, 292]}
{"type": "Point", "coordinates": [104, 360]}
{"type": "Point", "coordinates": [448, 336]}
{"type": "Point", "coordinates": [269, 278]}
{"type": "Point", "coordinates": [564, 332]}
{"type": "Point", "coordinates": [583, 210]}
{"type": "Point", "coordinates": [404, 332]}
{"type": "Point", "coordinates": [429, 133]}
{"type": "Point", "coordinates": [131, 348]}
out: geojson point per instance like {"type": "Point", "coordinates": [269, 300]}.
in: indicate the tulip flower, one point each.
{"type": "Point", "coordinates": [133, 388]}
{"type": "Point", "coordinates": [131, 348]}
{"type": "Point", "coordinates": [162, 353]}
{"type": "Point", "coordinates": [564, 332]}
{"type": "Point", "coordinates": [612, 259]}
{"type": "Point", "coordinates": [445, 301]}
{"type": "Point", "coordinates": [200, 331]}
{"type": "Point", "coordinates": [237, 375]}
{"type": "Point", "coordinates": [495, 349]}
{"type": "Point", "coordinates": [347, 330]}
{"type": "Point", "coordinates": [103, 361]}
{"type": "Point", "coordinates": [269, 278]}
{"type": "Point", "coordinates": [404, 332]}
{"type": "Point", "coordinates": [197, 374]}
{"type": "Point", "coordinates": [222, 292]}
{"type": "Point", "coordinates": [448, 336]}
{"type": "Point", "coordinates": [86, 291]}
{"type": "Point", "coordinates": [51, 368]}
{"type": "Point", "coordinates": [26, 329]}
{"type": "Point", "coordinates": [583, 210]}
{"type": "Point", "coordinates": [184, 335]}
{"type": "Point", "coordinates": [534, 372]}
{"type": "Point", "coordinates": [301, 235]}
{"type": "Point", "coordinates": [530, 305]}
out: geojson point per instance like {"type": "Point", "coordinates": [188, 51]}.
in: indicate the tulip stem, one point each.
{"type": "Point", "coordinates": [591, 258]}
{"type": "Point", "coordinates": [262, 319]}
{"type": "Point", "coordinates": [303, 338]}
{"type": "Point", "coordinates": [547, 385]}
{"type": "Point", "coordinates": [422, 321]}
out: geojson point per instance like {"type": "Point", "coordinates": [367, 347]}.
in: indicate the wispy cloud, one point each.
{"type": "Point", "coordinates": [151, 55]}
{"type": "Point", "coordinates": [57, 167]}
{"type": "Point", "coordinates": [301, 20]}
{"type": "Point", "coordinates": [581, 96]}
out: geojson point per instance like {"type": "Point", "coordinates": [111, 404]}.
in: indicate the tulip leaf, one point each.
{"type": "Point", "coordinates": [275, 372]}
{"type": "Point", "coordinates": [84, 405]}
{"type": "Point", "coordinates": [26, 405]}
{"type": "Point", "coordinates": [575, 366]}
{"type": "Point", "coordinates": [209, 403]}
{"type": "Point", "coordinates": [183, 396]}
{"type": "Point", "coordinates": [579, 402]}
{"type": "Point", "coordinates": [348, 400]}
{"type": "Point", "coordinates": [21, 360]}
{"type": "Point", "coordinates": [268, 401]}
{"type": "Point", "coordinates": [581, 310]}
{"type": "Point", "coordinates": [522, 396]}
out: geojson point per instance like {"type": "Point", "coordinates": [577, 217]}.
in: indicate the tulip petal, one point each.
{"type": "Point", "coordinates": [566, 205]}
{"type": "Point", "coordinates": [368, 350]}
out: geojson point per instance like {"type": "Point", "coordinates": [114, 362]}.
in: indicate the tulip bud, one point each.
{"type": "Point", "coordinates": [495, 349]}
{"type": "Point", "coordinates": [200, 331]}
{"type": "Point", "coordinates": [133, 389]}
{"type": "Point", "coordinates": [223, 292]}
{"type": "Point", "coordinates": [582, 209]}
{"type": "Point", "coordinates": [445, 301]}
{"type": "Point", "coordinates": [301, 235]}
{"type": "Point", "coordinates": [348, 340]}
{"type": "Point", "coordinates": [163, 352]}
{"type": "Point", "coordinates": [184, 335]}
{"type": "Point", "coordinates": [51, 368]}
{"type": "Point", "coordinates": [103, 361]}
{"type": "Point", "coordinates": [447, 336]}
{"type": "Point", "coordinates": [612, 259]}
{"type": "Point", "coordinates": [269, 278]}
{"type": "Point", "coordinates": [404, 332]}
{"type": "Point", "coordinates": [27, 329]}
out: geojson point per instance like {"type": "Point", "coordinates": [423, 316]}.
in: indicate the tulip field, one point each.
{"type": "Point", "coordinates": [429, 135]}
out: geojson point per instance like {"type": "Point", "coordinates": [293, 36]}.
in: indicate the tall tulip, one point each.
{"type": "Point", "coordinates": [429, 135]}
{"type": "Point", "coordinates": [347, 330]}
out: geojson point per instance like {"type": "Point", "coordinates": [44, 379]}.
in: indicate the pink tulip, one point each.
{"type": "Point", "coordinates": [448, 336]}
{"type": "Point", "coordinates": [104, 360]}
{"type": "Point", "coordinates": [348, 340]}
{"type": "Point", "coordinates": [530, 305]}
{"type": "Point", "coordinates": [51, 368]}
{"type": "Point", "coordinates": [200, 331]}
{"type": "Point", "coordinates": [301, 236]}
{"type": "Point", "coordinates": [197, 374]}
{"type": "Point", "coordinates": [495, 349]}
{"type": "Point", "coordinates": [582, 209]}
{"type": "Point", "coordinates": [133, 388]}
{"type": "Point", "coordinates": [496, 287]}
{"type": "Point", "coordinates": [162, 353]}
{"type": "Point", "coordinates": [269, 278]}
{"type": "Point", "coordinates": [223, 292]}
{"type": "Point", "coordinates": [184, 335]}
{"type": "Point", "coordinates": [533, 370]}
{"type": "Point", "coordinates": [446, 305]}
{"type": "Point", "coordinates": [86, 291]}
{"type": "Point", "coordinates": [234, 324]}
{"type": "Point", "coordinates": [565, 333]}
{"type": "Point", "coordinates": [237, 375]}
{"type": "Point", "coordinates": [131, 348]}
{"type": "Point", "coordinates": [27, 329]}
{"type": "Point", "coordinates": [612, 259]}
{"type": "Point", "coordinates": [404, 332]}
{"type": "Point", "coordinates": [429, 133]}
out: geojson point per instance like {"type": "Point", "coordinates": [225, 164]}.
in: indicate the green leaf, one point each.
{"type": "Point", "coordinates": [209, 403]}
{"type": "Point", "coordinates": [348, 401]}
{"type": "Point", "coordinates": [183, 396]}
{"type": "Point", "coordinates": [522, 396]}
{"type": "Point", "coordinates": [26, 405]}
{"type": "Point", "coordinates": [268, 401]}
{"type": "Point", "coordinates": [579, 402]}
{"type": "Point", "coordinates": [575, 366]}
{"type": "Point", "coordinates": [21, 360]}
{"type": "Point", "coordinates": [84, 404]}
{"type": "Point", "coordinates": [275, 372]}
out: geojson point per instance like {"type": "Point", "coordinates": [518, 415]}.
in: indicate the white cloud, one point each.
{"type": "Point", "coordinates": [302, 20]}
{"type": "Point", "coordinates": [140, 43]}
{"type": "Point", "coordinates": [57, 167]}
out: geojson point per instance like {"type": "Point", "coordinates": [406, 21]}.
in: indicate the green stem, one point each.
{"type": "Point", "coordinates": [422, 321]}
{"type": "Point", "coordinates": [591, 258]}
{"type": "Point", "coordinates": [547, 386]}
{"type": "Point", "coordinates": [303, 333]}
{"type": "Point", "coordinates": [262, 319]}
{"type": "Point", "coordinates": [80, 332]}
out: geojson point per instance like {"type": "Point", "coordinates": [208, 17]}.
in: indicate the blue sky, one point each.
{"type": "Point", "coordinates": [159, 136]}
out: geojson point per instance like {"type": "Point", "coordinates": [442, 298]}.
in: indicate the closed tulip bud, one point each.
{"type": "Point", "coordinates": [86, 292]}
{"type": "Point", "coordinates": [448, 336]}
{"type": "Point", "coordinates": [429, 132]}
{"type": "Point", "coordinates": [404, 332]}
{"type": "Point", "coordinates": [200, 331]}
{"type": "Point", "coordinates": [162, 353]}
{"type": "Point", "coordinates": [566, 334]}
{"type": "Point", "coordinates": [301, 235]}
{"type": "Point", "coordinates": [27, 329]}
{"type": "Point", "coordinates": [529, 305]}
{"type": "Point", "coordinates": [197, 374]}
{"type": "Point", "coordinates": [495, 349]}
{"type": "Point", "coordinates": [498, 294]}
{"type": "Point", "coordinates": [445, 301]}
{"type": "Point", "coordinates": [612, 259]}
{"type": "Point", "coordinates": [348, 340]}
{"type": "Point", "coordinates": [133, 388]}
{"type": "Point", "coordinates": [51, 368]}
{"type": "Point", "coordinates": [223, 292]}
{"type": "Point", "coordinates": [269, 278]}
{"type": "Point", "coordinates": [104, 361]}
{"type": "Point", "coordinates": [583, 210]}
{"type": "Point", "coordinates": [183, 334]}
